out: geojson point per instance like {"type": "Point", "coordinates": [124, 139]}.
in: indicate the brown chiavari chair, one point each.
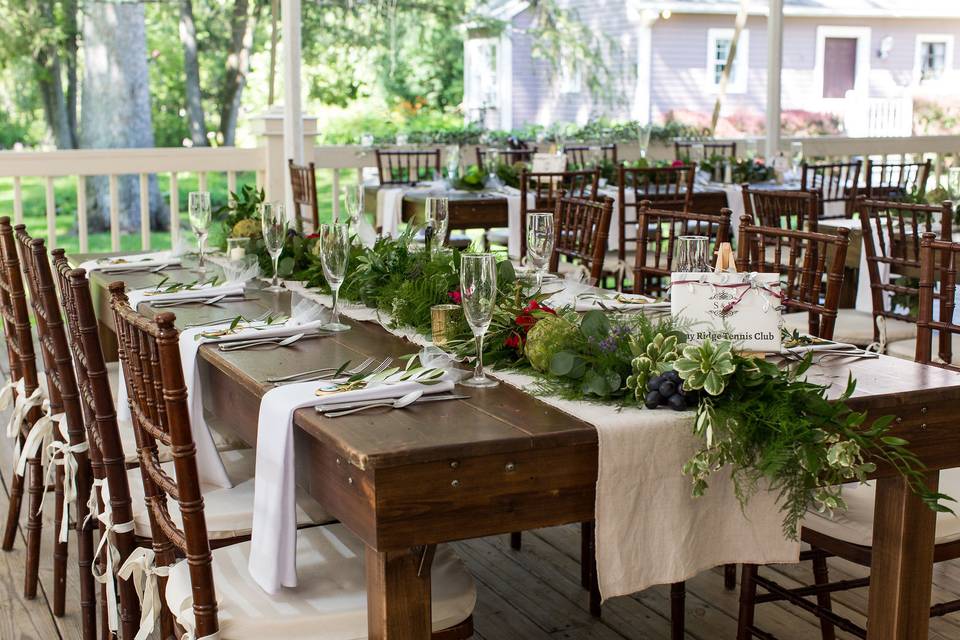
{"type": "Point", "coordinates": [658, 230]}
{"type": "Point", "coordinates": [73, 472]}
{"type": "Point", "coordinates": [545, 190]}
{"type": "Point", "coordinates": [107, 456]}
{"type": "Point", "coordinates": [786, 209]}
{"type": "Point", "coordinates": [331, 581]}
{"type": "Point", "coordinates": [583, 156]}
{"type": "Point", "coordinates": [303, 182]}
{"type": "Point", "coordinates": [848, 534]}
{"type": "Point", "coordinates": [581, 227]}
{"type": "Point", "coordinates": [507, 156]}
{"type": "Point", "coordinates": [835, 182]}
{"type": "Point", "coordinates": [892, 232]}
{"type": "Point", "coordinates": [810, 265]}
{"type": "Point", "coordinates": [23, 368]}
{"type": "Point", "coordinates": [407, 167]}
{"type": "Point", "coordinates": [681, 149]}
{"type": "Point", "coordinates": [895, 180]}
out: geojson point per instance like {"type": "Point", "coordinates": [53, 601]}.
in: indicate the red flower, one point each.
{"type": "Point", "coordinates": [526, 319]}
{"type": "Point", "coordinates": [678, 163]}
{"type": "Point", "coordinates": [313, 236]}
{"type": "Point", "coordinates": [455, 296]}
{"type": "Point", "coordinates": [513, 341]}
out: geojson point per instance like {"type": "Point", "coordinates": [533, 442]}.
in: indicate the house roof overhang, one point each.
{"type": "Point", "coordinates": [898, 9]}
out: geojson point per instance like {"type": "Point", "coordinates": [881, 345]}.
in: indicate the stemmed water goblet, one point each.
{"type": "Point", "coordinates": [353, 195]}
{"type": "Point", "coordinates": [478, 295]}
{"type": "Point", "coordinates": [200, 217]}
{"type": "Point", "coordinates": [334, 257]}
{"type": "Point", "coordinates": [438, 216]}
{"type": "Point", "coordinates": [273, 221]}
{"type": "Point", "coordinates": [540, 241]}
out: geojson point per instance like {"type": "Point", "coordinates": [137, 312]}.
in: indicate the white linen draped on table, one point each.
{"type": "Point", "coordinates": [139, 261]}
{"type": "Point", "coordinates": [649, 529]}
{"type": "Point", "coordinates": [512, 194]}
{"type": "Point", "coordinates": [390, 210]}
{"type": "Point", "coordinates": [273, 549]}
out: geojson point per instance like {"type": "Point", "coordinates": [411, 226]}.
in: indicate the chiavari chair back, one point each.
{"type": "Point", "coordinates": [892, 234]}
{"type": "Point", "coordinates": [106, 451]}
{"type": "Point", "coordinates": [583, 156]}
{"type": "Point", "coordinates": [835, 182]}
{"type": "Point", "coordinates": [681, 149]}
{"type": "Point", "coordinates": [70, 446]}
{"type": "Point", "coordinates": [150, 356]}
{"type": "Point", "coordinates": [664, 187]}
{"type": "Point", "coordinates": [658, 230]}
{"type": "Point", "coordinates": [939, 261]}
{"type": "Point", "coordinates": [540, 192]}
{"type": "Point", "coordinates": [786, 209]}
{"type": "Point", "coordinates": [810, 265]}
{"type": "Point", "coordinates": [23, 368]}
{"type": "Point", "coordinates": [895, 180]}
{"type": "Point", "coordinates": [581, 228]}
{"type": "Point", "coordinates": [407, 167]}
{"type": "Point", "coordinates": [506, 156]}
{"type": "Point", "coordinates": [303, 182]}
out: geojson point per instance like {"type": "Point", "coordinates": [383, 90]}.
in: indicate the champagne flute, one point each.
{"type": "Point", "coordinates": [200, 216]}
{"type": "Point", "coordinates": [353, 202]}
{"type": "Point", "coordinates": [540, 241]}
{"type": "Point", "coordinates": [478, 290]}
{"type": "Point", "coordinates": [438, 216]}
{"type": "Point", "coordinates": [334, 256]}
{"type": "Point", "coordinates": [273, 220]}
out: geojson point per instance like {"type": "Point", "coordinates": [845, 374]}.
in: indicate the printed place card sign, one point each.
{"type": "Point", "coordinates": [741, 307]}
{"type": "Point", "coordinates": [549, 163]}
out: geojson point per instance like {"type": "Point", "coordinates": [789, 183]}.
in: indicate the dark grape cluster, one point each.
{"type": "Point", "coordinates": [667, 390]}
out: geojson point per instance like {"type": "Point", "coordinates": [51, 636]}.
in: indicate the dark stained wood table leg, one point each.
{"type": "Point", "coordinates": [902, 567]}
{"type": "Point", "coordinates": [398, 595]}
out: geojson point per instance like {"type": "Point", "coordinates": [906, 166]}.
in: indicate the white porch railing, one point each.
{"type": "Point", "coordinates": [268, 162]}
{"type": "Point", "coordinates": [874, 117]}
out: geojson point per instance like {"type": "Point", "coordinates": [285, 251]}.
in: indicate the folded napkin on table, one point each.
{"type": "Point", "coordinates": [617, 302]}
{"type": "Point", "coordinates": [274, 537]}
{"type": "Point", "coordinates": [198, 292]}
{"type": "Point", "coordinates": [390, 210]}
{"type": "Point", "coordinates": [125, 263]}
{"type": "Point", "coordinates": [824, 346]}
{"type": "Point", "coordinates": [512, 194]}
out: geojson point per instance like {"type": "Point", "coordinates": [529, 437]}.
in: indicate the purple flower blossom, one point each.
{"type": "Point", "coordinates": [608, 344]}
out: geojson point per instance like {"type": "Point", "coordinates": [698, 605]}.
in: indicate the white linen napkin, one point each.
{"type": "Point", "coordinates": [139, 261]}
{"type": "Point", "coordinates": [512, 195]}
{"type": "Point", "coordinates": [613, 239]}
{"type": "Point", "coordinates": [864, 292]}
{"type": "Point", "coordinates": [198, 293]}
{"type": "Point", "coordinates": [390, 210]}
{"type": "Point", "coordinates": [273, 561]}
{"type": "Point", "coordinates": [617, 302]}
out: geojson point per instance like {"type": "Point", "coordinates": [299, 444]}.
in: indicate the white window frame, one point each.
{"type": "Point", "coordinates": [741, 64]}
{"type": "Point", "coordinates": [861, 82]}
{"type": "Point", "coordinates": [924, 38]}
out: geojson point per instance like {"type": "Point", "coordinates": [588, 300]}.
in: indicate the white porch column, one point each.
{"type": "Point", "coordinates": [292, 108]}
{"type": "Point", "coordinates": [270, 128]}
{"type": "Point", "coordinates": [641, 94]}
{"type": "Point", "coordinates": [774, 66]}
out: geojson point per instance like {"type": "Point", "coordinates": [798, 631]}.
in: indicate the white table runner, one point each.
{"type": "Point", "coordinates": [649, 529]}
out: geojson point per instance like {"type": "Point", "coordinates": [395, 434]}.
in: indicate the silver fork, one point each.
{"type": "Point", "coordinates": [303, 374]}
{"type": "Point", "coordinates": [351, 372]}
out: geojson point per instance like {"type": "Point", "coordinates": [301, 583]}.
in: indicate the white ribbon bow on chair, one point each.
{"type": "Point", "coordinates": [6, 394]}
{"type": "Point", "coordinates": [39, 438]}
{"type": "Point", "coordinates": [22, 405]}
{"type": "Point", "coordinates": [70, 466]}
{"type": "Point", "coordinates": [108, 578]}
{"type": "Point", "coordinates": [140, 567]}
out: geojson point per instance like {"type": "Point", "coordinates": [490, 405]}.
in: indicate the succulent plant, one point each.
{"type": "Point", "coordinates": [706, 366]}
{"type": "Point", "coordinates": [652, 359]}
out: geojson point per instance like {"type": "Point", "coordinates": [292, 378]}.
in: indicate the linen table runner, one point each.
{"type": "Point", "coordinates": [512, 195]}
{"type": "Point", "coordinates": [650, 530]}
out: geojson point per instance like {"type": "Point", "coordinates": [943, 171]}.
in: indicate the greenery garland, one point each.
{"type": "Point", "coordinates": [770, 426]}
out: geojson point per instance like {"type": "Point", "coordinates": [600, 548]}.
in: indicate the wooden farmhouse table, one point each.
{"type": "Point", "coordinates": [503, 461]}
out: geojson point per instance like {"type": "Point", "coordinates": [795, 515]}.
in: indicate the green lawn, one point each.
{"type": "Point", "coordinates": [65, 190]}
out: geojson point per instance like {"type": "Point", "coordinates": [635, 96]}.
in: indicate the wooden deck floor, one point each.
{"type": "Point", "coordinates": [533, 594]}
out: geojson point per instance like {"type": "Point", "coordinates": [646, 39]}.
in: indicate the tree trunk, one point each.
{"type": "Point", "coordinates": [243, 30]}
{"type": "Point", "coordinates": [116, 106]}
{"type": "Point", "coordinates": [191, 68]}
{"type": "Point", "coordinates": [70, 11]}
{"type": "Point", "coordinates": [50, 81]}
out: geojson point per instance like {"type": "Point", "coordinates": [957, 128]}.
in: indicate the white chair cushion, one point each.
{"type": "Point", "coordinates": [855, 525]}
{"type": "Point", "coordinates": [854, 327]}
{"type": "Point", "coordinates": [330, 602]}
{"type": "Point", "coordinates": [907, 349]}
{"type": "Point", "coordinates": [229, 512]}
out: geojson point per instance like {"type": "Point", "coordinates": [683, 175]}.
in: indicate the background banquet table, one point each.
{"type": "Point", "coordinates": [503, 461]}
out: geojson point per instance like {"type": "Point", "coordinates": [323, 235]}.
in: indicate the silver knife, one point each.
{"type": "Point", "coordinates": [362, 403]}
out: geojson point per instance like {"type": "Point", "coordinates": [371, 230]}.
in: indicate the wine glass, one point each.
{"type": "Point", "coordinates": [438, 216]}
{"type": "Point", "coordinates": [334, 256]}
{"type": "Point", "coordinates": [200, 215]}
{"type": "Point", "coordinates": [478, 291]}
{"type": "Point", "coordinates": [539, 243]}
{"type": "Point", "coordinates": [692, 254]}
{"type": "Point", "coordinates": [493, 161]}
{"type": "Point", "coordinates": [273, 220]}
{"type": "Point", "coordinates": [353, 202]}
{"type": "Point", "coordinates": [643, 140]}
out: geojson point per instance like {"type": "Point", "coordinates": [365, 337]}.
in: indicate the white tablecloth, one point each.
{"type": "Point", "coordinates": [649, 529]}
